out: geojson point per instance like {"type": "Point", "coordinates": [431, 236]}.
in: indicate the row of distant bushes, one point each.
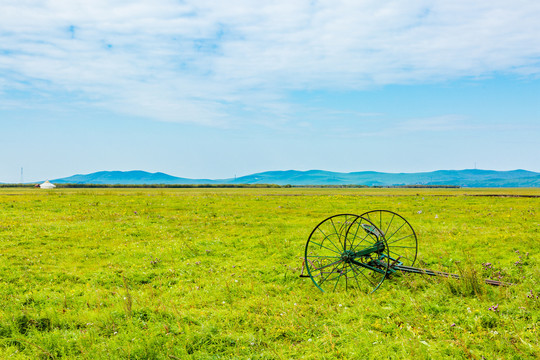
{"type": "Point", "coordinates": [153, 185]}
{"type": "Point", "coordinates": [86, 186]}
{"type": "Point", "coordinates": [421, 186]}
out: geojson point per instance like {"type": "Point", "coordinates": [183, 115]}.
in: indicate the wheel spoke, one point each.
{"type": "Point", "coordinates": [369, 218]}
{"type": "Point", "coordinates": [328, 237]}
{"type": "Point", "coordinates": [391, 242]}
{"type": "Point", "coordinates": [367, 234]}
{"type": "Point", "coordinates": [388, 238]}
{"type": "Point", "coordinates": [355, 277]}
{"type": "Point", "coordinates": [368, 279]}
{"type": "Point", "coordinates": [337, 280]}
{"type": "Point", "coordinates": [321, 256]}
{"type": "Point", "coordinates": [334, 226]}
{"type": "Point", "coordinates": [313, 242]}
{"type": "Point", "coordinates": [343, 271]}
{"type": "Point", "coordinates": [390, 223]}
{"type": "Point", "coordinates": [363, 239]}
{"type": "Point", "coordinates": [325, 266]}
{"type": "Point", "coordinates": [354, 237]}
{"type": "Point", "coordinates": [340, 231]}
{"type": "Point", "coordinates": [326, 278]}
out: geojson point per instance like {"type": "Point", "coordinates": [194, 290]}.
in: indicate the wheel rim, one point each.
{"type": "Point", "coordinates": [399, 235]}
{"type": "Point", "coordinates": [346, 252]}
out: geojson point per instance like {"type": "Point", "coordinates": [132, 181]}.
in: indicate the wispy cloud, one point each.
{"type": "Point", "coordinates": [205, 61]}
{"type": "Point", "coordinates": [434, 124]}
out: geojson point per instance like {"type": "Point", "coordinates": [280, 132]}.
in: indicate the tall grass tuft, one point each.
{"type": "Point", "coordinates": [128, 302]}
{"type": "Point", "coordinates": [470, 282]}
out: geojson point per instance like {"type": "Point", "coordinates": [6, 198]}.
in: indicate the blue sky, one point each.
{"type": "Point", "coordinates": [209, 89]}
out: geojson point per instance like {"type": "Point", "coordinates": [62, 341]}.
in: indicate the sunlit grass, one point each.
{"type": "Point", "coordinates": [210, 273]}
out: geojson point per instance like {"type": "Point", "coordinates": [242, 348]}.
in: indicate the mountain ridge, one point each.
{"type": "Point", "coordinates": [466, 177]}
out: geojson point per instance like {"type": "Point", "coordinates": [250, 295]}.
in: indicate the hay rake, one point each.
{"type": "Point", "coordinates": [348, 251]}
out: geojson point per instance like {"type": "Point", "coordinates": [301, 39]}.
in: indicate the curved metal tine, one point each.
{"type": "Point", "coordinates": [310, 262]}
{"type": "Point", "coordinates": [340, 232]}
{"type": "Point", "coordinates": [347, 268]}
{"type": "Point", "coordinates": [367, 278]}
{"type": "Point", "coordinates": [344, 229]}
{"type": "Point", "coordinates": [365, 237]}
{"type": "Point", "coordinates": [374, 285]}
{"type": "Point", "coordinates": [347, 233]}
{"type": "Point", "coordinates": [327, 278]}
{"type": "Point", "coordinates": [328, 236]}
{"type": "Point", "coordinates": [337, 280]}
{"type": "Point", "coordinates": [325, 238]}
{"type": "Point", "coordinates": [355, 277]}
{"type": "Point", "coordinates": [325, 266]}
{"type": "Point", "coordinates": [344, 271]}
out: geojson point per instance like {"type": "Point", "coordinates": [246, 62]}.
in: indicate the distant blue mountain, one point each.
{"type": "Point", "coordinates": [135, 177]}
{"type": "Point", "coordinates": [468, 178]}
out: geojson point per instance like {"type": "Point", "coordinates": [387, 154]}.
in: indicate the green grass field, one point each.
{"type": "Point", "coordinates": [213, 274]}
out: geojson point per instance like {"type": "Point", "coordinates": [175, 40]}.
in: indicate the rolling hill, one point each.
{"type": "Point", "coordinates": [468, 178]}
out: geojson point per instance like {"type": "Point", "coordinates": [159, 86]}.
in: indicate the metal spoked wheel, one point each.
{"type": "Point", "coordinates": [347, 252]}
{"type": "Point", "coordinates": [399, 235]}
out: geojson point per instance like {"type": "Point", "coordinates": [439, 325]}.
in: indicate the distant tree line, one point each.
{"type": "Point", "coordinates": [17, 185]}
{"type": "Point", "coordinates": [218, 186]}
{"type": "Point", "coordinates": [421, 186]}
{"type": "Point", "coordinates": [330, 186]}
{"type": "Point", "coordinates": [85, 186]}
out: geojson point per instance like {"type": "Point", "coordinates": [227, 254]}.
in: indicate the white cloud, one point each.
{"type": "Point", "coordinates": [205, 61]}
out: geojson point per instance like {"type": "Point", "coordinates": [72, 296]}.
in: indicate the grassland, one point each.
{"type": "Point", "coordinates": [213, 273]}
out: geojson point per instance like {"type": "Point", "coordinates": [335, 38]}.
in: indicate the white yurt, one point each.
{"type": "Point", "coordinates": [47, 185]}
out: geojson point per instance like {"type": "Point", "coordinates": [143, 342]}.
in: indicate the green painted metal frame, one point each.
{"type": "Point", "coordinates": [380, 265]}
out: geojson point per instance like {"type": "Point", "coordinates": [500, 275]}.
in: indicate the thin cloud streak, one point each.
{"type": "Point", "coordinates": [444, 124]}
{"type": "Point", "coordinates": [205, 62]}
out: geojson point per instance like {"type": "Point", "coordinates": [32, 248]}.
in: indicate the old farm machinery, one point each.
{"type": "Point", "coordinates": [360, 251]}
